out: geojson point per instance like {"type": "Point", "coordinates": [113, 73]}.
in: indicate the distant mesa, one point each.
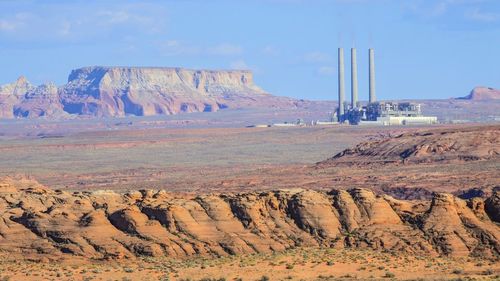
{"type": "Point", "coordinates": [482, 93]}
{"type": "Point", "coordinates": [141, 91]}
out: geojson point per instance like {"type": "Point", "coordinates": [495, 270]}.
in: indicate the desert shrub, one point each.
{"type": "Point", "coordinates": [389, 275]}
{"type": "Point", "coordinates": [457, 271]}
{"type": "Point", "coordinates": [164, 278]}
{"type": "Point", "coordinates": [488, 272]}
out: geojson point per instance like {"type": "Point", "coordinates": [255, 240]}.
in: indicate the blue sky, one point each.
{"type": "Point", "coordinates": [424, 48]}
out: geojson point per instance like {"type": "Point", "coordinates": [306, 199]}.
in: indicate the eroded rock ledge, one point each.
{"type": "Point", "coordinates": [107, 225]}
{"type": "Point", "coordinates": [443, 145]}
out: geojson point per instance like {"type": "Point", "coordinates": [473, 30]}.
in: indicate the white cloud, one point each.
{"type": "Point", "coordinates": [6, 25]}
{"type": "Point", "coordinates": [65, 28]}
{"type": "Point", "coordinates": [154, 22]}
{"type": "Point", "coordinates": [326, 70]}
{"type": "Point", "coordinates": [317, 57]}
{"type": "Point", "coordinates": [270, 51]}
{"type": "Point", "coordinates": [14, 23]}
{"type": "Point", "coordinates": [240, 65]}
{"type": "Point", "coordinates": [176, 48]}
{"type": "Point", "coordinates": [226, 50]}
{"type": "Point", "coordinates": [478, 15]}
{"type": "Point", "coordinates": [439, 9]}
{"type": "Point", "coordinates": [95, 21]}
{"type": "Point", "coordinates": [442, 8]}
{"type": "Point", "coordinates": [115, 17]}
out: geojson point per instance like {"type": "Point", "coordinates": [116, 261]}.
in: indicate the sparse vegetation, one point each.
{"type": "Point", "coordinates": [389, 275]}
{"type": "Point", "coordinates": [457, 271]}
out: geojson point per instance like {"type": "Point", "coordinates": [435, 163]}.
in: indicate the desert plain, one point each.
{"type": "Point", "coordinates": [235, 203]}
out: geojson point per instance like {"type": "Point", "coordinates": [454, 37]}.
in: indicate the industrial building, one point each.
{"type": "Point", "coordinates": [383, 113]}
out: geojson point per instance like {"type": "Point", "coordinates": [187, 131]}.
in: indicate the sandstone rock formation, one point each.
{"type": "Point", "coordinates": [35, 220]}
{"type": "Point", "coordinates": [22, 99]}
{"type": "Point", "coordinates": [483, 94]}
{"type": "Point", "coordinates": [141, 91]}
{"type": "Point", "coordinates": [117, 91]}
{"type": "Point", "coordinates": [434, 145]}
{"type": "Point", "coordinates": [492, 206]}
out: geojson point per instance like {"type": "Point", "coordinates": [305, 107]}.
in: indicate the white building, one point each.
{"type": "Point", "coordinates": [407, 120]}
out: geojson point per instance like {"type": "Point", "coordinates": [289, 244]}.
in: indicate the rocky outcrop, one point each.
{"type": "Point", "coordinates": [22, 99]}
{"type": "Point", "coordinates": [482, 94]}
{"type": "Point", "coordinates": [455, 229]}
{"type": "Point", "coordinates": [35, 220]}
{"type": "Point", "coordinates": [492, 206]}
{"type": "Point", "coordinates": [141, 91]}
{"type": "Point", "coordinates": [426, 146]}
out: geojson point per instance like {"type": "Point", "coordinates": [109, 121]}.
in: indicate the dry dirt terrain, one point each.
{"type": "Point", "coordinates": [205, 160]}
{"type": "Point", "coordinates": [180, 159]}
{"type": "Point", "coordinates": [297, 264]}
{"type": "Point", "coordinates": [277, 209]}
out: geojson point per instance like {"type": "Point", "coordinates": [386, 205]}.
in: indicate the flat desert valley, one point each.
{"type": "Point", "coordinates": [229, 159]}
{"type": "Point", "coordinates": [339, 202]}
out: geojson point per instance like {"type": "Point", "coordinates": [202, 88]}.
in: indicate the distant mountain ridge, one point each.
{"type": "Point", "coordinates": [483, 93]}
{"type": "Point", "coordinates": [142, 91]}
{"type": "Point", "coordinates": [100, 91]}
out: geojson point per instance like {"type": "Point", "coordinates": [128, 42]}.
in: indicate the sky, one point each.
{"type": "Point", "coordinates": [423, 48]}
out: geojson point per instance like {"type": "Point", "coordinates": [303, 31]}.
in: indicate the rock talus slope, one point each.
{"type": "Point", "coordinates": [35, 220]}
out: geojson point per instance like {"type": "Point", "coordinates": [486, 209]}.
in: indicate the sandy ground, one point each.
{"type": "Point", "coordinates": [297, 264]}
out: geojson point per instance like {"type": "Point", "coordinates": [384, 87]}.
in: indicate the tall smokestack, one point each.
{"type": "Point", "coordinates": [354, 78]}
{"type": "Point", "coordinates": [341, 83]}
{"type": "Point", "coordinates": [373, 97]}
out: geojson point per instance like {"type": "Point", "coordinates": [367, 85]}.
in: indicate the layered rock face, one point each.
{"type": "Point", "coordinates": [429, 146]}
{"type": "Point", "coordinates": [102, 225]}
{"type": "Point", "coordinates": [483, 94]}
{"type": "Point", "coordinates": [119, 91]}
{"type": "Point", "coordinates": [22, 99]}
{"type": "Point", "coordinates": [102, 91]}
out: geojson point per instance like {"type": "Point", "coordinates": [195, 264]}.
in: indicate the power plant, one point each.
{"type": "Point", "coordinates": [383, 113]}
{"type": "Point", "coordinates": [373, 112]}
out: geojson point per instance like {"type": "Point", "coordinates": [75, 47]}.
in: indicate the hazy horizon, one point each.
{"type": "Point", "coordinates": [424, 49]}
